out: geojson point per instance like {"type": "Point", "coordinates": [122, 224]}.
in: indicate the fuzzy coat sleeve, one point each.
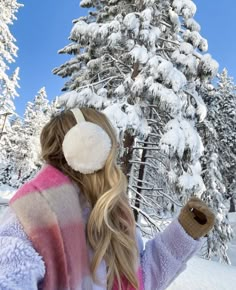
{"type": "Point", "coordinates": [165, 256]}
{"type": "Point", "coordinates": [21, 267]}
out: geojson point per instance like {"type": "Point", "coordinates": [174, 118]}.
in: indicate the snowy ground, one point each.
{"type": "Point", "coordinates": [205, 275]}
{"type": "Point", "coordinates": [232, 248]}
{"type": "Point", "coordinates": [208, 275]}
{"type": "Point", "coordinates": [200, 274]}
{"type": "Point", "coordinates": [5, 194]}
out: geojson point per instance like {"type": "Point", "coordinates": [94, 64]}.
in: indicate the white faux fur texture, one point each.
{"type": "Point", "coordinates": [21, 267]}
{"type": "Point", "coordinates": [86, 147]}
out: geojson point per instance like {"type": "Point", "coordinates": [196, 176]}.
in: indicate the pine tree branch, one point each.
{"type": "Point", "coordinates": [118, 61]}
{"type": "Point", "coordinates": [99, 82]}
{"type": "Point", "coordinates": [171, 199]}
{"type": "Point", "coordinates": [159, 160]}
{"type": "Point", "coordinates": [155, 135]}
{"type": "Point", "coordinates": [144, 163]}
{"type": "Point", "coordinates": [143, 181]}
{"type": "Point", "coordinates": [168, 40]}
{"type": "Point", "coordinates": [144, 198]}
{"type": "Point", "coordinates": [153, 121]}
{"type": "Point", "coordinates": [151, 221]}
{"type": "Point", "coordinates": [146, 142]}
{"type": "Point", "coordinates": [147, 148]}
{"type": "Point", "coordinates": [147, 188]}
{"type": "Point", "coordinates": [164, 23]}
{"type": "Point", "coordinates": [143, 230]}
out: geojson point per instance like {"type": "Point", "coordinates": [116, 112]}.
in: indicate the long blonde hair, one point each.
{"type": "Point", "coordinates": [111, 225]}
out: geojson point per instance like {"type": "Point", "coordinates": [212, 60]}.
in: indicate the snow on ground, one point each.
{"type": "Point", "coordinates": [6, 193]}
{"type": "Point", "coordinates": [202, 274]}
{"type": "Point", "coordinates": [205, 275]}
{"type": "Point", "coordinates": [232, 246]}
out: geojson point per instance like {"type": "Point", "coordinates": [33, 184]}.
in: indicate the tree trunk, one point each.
{"type": "Point", "coordinates": [140, 177]}
{"type": "Point", "coordinates": [127, 156]}
{"type": "Point", "coordinates": [128, 141]}
{"type": "Point", "coordinates": [232, 205]}
{"type": "Point", "coordinates": [4, 123]}
{"type": "Point", "coordinates": [19, 174]}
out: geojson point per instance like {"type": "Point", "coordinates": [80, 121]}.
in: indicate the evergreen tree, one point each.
{"type": "Point", "coordinates": [22, 152]}
{"type": "Point", "coordinates": [5, 147]}
{"type": "Point", "coordinates": [221, 102]}
{"type": "Point", "coordinates": [223, 110]}
{"type": "Point", "coordinates": [7, 109]}
{"type": "Point", "coordinates": [139, 62]}
{"type": "Point", "coordinates": [54, 107]}
{"type": "Point", "coordinates": [35, 117]}
{"type": "Point", "coordinates": [216, 241]}
{"type": "Point", "coordinates": [16, 154]}
{"type": "Point", "coordinates": [8, 53]}
{"type": "Point", "coordinates": [37, 113]}
{"type": "Point", "coordinates": [222, 232]}
{"type": "Point", "coordinates": [219, 160]}
{"type": "Point", "coordinates": [8, 84]}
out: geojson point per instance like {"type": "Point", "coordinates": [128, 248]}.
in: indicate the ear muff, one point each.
{"type": "Point", "coordinates": [86, 146]}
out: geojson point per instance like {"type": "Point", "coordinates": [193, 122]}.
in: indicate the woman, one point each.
{"type": "Point", "coordinates": [71, 227]}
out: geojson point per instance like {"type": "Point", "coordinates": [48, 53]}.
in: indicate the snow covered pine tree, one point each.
{"type": "Point", "coordinates": [8, 84]}
{"type": "Point", "coordinates": [36, 116]}
{"type": "Point", "coordinates": [218, 135]}
{"type": "Point", "coordinates": [223, 108]}
{"type": "Point", "coordinates": [142, 63]}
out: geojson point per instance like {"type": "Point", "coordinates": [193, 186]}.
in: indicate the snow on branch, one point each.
{"type": "Point", "coordinates": [180, 136]}
{"type": "Point", "coordinates": [186, 8]}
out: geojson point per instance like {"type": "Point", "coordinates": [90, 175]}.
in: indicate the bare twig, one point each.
{"type": "Point", "coordinates": [102, 81]}
{"type": "Point", "coordinates": [151, 221]}
{"type": "Point", "coordinates": [168, 40]}
{"type": "Point", "coordinates": [147, 148]}
{"type": "Point", "coordinates": [164, 23]}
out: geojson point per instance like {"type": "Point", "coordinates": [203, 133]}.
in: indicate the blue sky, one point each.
{"type": "Point", "coordinates": [218, 23]}
{"type": "Point", "coordinates": [43, 28]}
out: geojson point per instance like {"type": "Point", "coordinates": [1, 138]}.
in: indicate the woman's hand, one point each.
{"type": "Point", "coordinates": [196, 218]}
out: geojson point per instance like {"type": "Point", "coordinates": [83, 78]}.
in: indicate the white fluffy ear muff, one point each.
{"type": "Point", "coordinates": [86, 146]}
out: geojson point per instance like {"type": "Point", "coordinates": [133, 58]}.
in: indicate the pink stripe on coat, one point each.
{"type": "Point", "coordinates": [47, 177]}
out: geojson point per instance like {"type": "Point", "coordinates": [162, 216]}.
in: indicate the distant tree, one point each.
{"type": "Point", "coordinates": [217, 240]}
{"type": "Point", "coordinates": [7, 109]}
{"type": "Point", "coordinates": [223, 110]}
{"type": "Point", "coordinates": [218, 133]}
{"type": "Point", "coordinates": [37, 112]}
{"type": "Point", "coordinates": [215, 195]}
{"type": "Point", "coordinates": [22, 146]}
{"type": "Point", "coordinates": [5, 147]}
{"type": "Point", "coordinates": [221, 103]}
{"type": "Point", "coordinates": [8, 84]}
{"type": "Point", "coordinates": [16, 154]}
{"type": "Point", "coordinates": [8, 53]}
{"type": "Point", "coordinates": [54, 107]}
{"type": "Point", "coordinates": [36, 115]}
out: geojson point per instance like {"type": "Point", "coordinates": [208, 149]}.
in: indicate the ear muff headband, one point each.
{"type": "Point", "coordinates": [86, 146]}
{"type": "Point", "coordinates": [78, 115]}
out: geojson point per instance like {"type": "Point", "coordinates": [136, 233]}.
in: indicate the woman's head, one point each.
{"type": "Point", "coordinates": [111, 225]}
{"type": "Point", "coordinates": [63, 139]}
